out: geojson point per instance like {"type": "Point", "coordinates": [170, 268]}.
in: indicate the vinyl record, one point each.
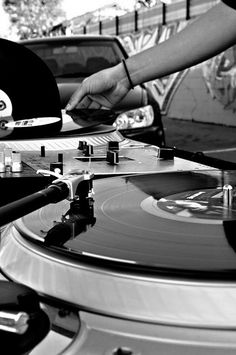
{"type": "Point", "coordinates": [85, 120]}
{"type": "Point", "coordinates": [29, 96]}
{"type": "Point", "coordinates": [30, 87]}
{"type": "Point", "coordinates": [137, 225]}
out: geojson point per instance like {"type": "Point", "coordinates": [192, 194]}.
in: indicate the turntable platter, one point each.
{"type": "Point", "coordinates": [137, 225]}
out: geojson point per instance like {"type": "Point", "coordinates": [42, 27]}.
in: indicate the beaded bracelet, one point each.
{"type": "Point", "coordinates": [127, 73]}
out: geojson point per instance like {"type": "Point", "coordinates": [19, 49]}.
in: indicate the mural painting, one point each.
{"type": "Point", "coordinates": [218, 75]}
{"type": "Point", "coordinates": [163, 88]}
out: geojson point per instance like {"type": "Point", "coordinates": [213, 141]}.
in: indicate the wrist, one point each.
{"type": "Point", "coordinates": [123, 75]}
{"type": "Point", "coordinates": [127, 74]}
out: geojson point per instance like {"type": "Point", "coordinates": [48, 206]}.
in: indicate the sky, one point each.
{"type": "Point", "coordinates": [78, 7]}
{"type": "Point", "coordinates": [72, 8]}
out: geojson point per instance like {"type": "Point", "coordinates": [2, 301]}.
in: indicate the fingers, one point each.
{"type": "Point", "coordinates": [94, 105]}
{"type": "Point", "coordinates": [95, 91]}
{"type": "Point", "coordinates": [86, 102]}
{"type": "Point", "coordinates": [77, 97]}
{"type": "Point", "coordinates": [80, 99]}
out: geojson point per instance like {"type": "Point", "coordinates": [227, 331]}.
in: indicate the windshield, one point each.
{"type": "Point", "coordinates": [77, 58]}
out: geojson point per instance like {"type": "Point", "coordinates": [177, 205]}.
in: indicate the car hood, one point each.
{"type": "Point", "coordinates": [136, 97]}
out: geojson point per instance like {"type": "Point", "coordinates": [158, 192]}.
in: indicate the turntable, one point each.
{"type": "Point", "coordinates": [142, 261]}
{"type": "Point", "coordinates": [148, 268]}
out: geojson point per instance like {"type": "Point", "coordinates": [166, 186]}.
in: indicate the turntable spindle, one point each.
{"type": "Point", "coordinates": [227, 195]}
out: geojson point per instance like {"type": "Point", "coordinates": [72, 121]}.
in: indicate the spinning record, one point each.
{"type": "Point", "coordinates": [173, 223]}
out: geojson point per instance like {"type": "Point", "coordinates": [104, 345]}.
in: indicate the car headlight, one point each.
{"type": "Point", "coordinates": [138, 118]}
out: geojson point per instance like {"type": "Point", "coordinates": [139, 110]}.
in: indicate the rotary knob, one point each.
{"type": "Point", "coordinates": [113, 145]}
{"type": "Point", "coordinates": [227, 195]}
{"type": "Point", "coordinates": [82, 145]}
{"type": "Point", "coordinates": [16, 162]}
{"type": "Point", "coordinates": [112, 157]}
{"type": "Point", "coordinates": [88, 150]}
{"type": "Point", "coordinates": [165, 153]}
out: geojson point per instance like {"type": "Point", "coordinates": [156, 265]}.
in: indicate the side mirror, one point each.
{"type": "Point", "coordinates": [23, 324]}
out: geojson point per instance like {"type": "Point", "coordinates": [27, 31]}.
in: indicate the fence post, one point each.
{"type": "Point", "coordinates": [187, 9]}
{"type": "Point", "coordinates": [117, 25]}
{"type": "Point", "coordinates": [163, 13]}
{"type": "Point", "coordinates": [136, 20]}
{"type": "Point", "coordinates": [100, 27]}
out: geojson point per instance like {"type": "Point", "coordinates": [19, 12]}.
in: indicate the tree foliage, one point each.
{"type": "Point", "coordinates": [146, 3]}
{"type": "Point", "coordinates": [33, 17]}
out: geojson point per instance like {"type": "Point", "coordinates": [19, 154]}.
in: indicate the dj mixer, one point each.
{"type": "Point", "coordinates": [141, 261]}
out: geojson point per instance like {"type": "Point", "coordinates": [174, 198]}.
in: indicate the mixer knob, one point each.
{"type": "Point", "coordinates": [227, 195]}
{"type": "Point", "coordinates": [82, 145]}
{"type": "Point", "coordinates": [60, 158]}
{"type": "Point", "coordinates": [113, 145]}
{"type": "Point", "coordinates": [2, 162]}
{"type": "Point", "coordinates": [88, 150]}
{"type": "Point", "coordinates": [42, 151]}
{"type": "Point", "coordinates": [165, 153]}
{"type": "Point", "coordinates": [8, 156]}
{"type": "Point", "coordinates": [16, 162]}
{"type": "Point", "coordinates": [112, 157]}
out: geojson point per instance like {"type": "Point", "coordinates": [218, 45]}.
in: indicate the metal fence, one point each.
{"type": "Point", "coordinates": [138, 20]}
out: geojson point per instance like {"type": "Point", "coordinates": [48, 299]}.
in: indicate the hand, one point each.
{"type": "Point", "coordinates": [105, 88]}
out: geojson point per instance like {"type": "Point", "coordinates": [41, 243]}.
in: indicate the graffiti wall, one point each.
{"type": "Point", "coordinates": [205, 93]}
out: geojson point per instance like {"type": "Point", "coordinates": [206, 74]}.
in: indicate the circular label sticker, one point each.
{"type": "Point", "coordinates": [5, 105]}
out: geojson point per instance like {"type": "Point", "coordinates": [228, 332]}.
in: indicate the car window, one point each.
{"type": "Point", "coordinates": [83, 58]}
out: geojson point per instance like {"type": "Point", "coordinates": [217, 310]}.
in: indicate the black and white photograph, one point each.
{"type": "Point", "coordinates": [118, 177]}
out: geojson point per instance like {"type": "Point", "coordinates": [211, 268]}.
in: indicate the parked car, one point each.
{"type": "Point", "coordinates": [73, 58]}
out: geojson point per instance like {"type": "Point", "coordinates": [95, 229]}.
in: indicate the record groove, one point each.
{"type": "Point", "coordinates": [125, 231]}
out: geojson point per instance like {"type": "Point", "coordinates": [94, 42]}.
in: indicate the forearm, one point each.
{"type": "Point", "coordinates": [205, 37]}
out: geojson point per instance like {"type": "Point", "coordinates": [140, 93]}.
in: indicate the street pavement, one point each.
{"type": "Point", "coordinates": [217, 141]}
